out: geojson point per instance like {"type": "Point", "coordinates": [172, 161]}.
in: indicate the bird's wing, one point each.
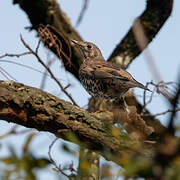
{"type": "Point", "coordinates": [104, 72]}
{"type": "Point", "coordinates": [118, 74]}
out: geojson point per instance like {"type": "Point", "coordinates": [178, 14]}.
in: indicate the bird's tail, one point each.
{"type": "Point", "coordinates": [137, 84]}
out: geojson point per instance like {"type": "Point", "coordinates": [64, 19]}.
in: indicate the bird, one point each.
{"type": "Point", "coordinates": [100, 78]}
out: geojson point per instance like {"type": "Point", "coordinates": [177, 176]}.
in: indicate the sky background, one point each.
{"type": "Point", "coordinates": [105, 23]}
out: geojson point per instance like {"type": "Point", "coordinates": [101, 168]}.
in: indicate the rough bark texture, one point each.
{"type": "Point", "coordinates": [34, 108]}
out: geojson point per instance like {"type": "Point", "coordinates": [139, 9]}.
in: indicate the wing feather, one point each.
{"type": "Point", "coordinates": [111, 73]}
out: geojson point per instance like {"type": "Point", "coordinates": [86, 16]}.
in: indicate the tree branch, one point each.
{"type": "Point", "coordinates": [34, 108]}
{"type": "Point", "coordinates": [49, 12]}
{"type": "Point", "coordinates": [152, 19]}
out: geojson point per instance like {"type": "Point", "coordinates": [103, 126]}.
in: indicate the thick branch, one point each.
{"type": "Point", "coordinates": [152, 19]}
{"type": "Point", "coordinates": [34, 108]}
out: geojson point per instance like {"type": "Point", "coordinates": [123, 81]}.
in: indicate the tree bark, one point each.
{"type": "Point", "coordinates": [34, 108]}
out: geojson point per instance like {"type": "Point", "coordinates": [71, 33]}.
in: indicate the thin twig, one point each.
{"type": "Point", "coordinates": [142, 42]}
{"type": "Point", "coordinates": [37, 48]}
{"type": "Point", "coordinates": [13, 131]}
{"type": "Point", "coordinates": [16, 55]}
{"type": "Point", "coordinates": [57, 168]}
{"type": "Point", "coordinates": [162, 88]}
{"type": "Point", "coordinates": [29, 67]}
{"type": "Point", "coordinates": [162, 113]}
{"type": "Point", "coordinates": [44, 78]}
{"type": "Point", "coordinates": [83, 10]}
{"type": "Point", "coordinates": [174, 104]}
{"type": "Point", "coordinates": [48, 69]}
{"type": "Point", "coordinates": [51, 37]}
{"type": "Point", "coordinates": [6, 74]}
{"type": "Point", "coordinates": [145, 103]}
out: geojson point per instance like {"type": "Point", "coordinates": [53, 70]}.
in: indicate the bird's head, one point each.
{"type": "Point", "coordinates": [89, 50]}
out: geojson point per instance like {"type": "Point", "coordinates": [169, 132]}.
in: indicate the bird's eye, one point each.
{"type": "Point", "coordinates": [89, 46]}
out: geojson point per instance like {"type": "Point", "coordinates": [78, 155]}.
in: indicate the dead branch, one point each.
{"type": "Point", "coordinates": [14, 55]}
{"type": "Point", "coordinates": [52, 40]}
{"type": "Point", "coordinates": [163, 113]}
{"type": "Point", "coordinates": [57, 168]}
{"type": "Point", "coordinates": [32, 68]}
{"type": "Point", "coordinates": [6, 74]}
{"type": "Point", "coordinates": [167, 89]}
{"type": "Point", "coordinates": [142, 42]}
{"type": "Point", "coordinates": [13, 131]}
{"type": "Point", "coordinates": [175, 102]}
{"type": "Point", "coordinates": [44, 78]}
{"type": "Point", "coordinates": [49, 12]}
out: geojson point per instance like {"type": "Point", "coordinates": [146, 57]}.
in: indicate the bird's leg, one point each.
{"type": "Point", "coordinates": [100, 104]}
{"type": "Point", "coordinates": [100, 108]}
{"type": "Point", "coordinates": [119, 109]}
{"type": "Point", "coordinates": [120, 102]}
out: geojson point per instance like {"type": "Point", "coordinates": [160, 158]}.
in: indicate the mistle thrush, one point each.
{"type": "Point", "coordinates": [103, 79]}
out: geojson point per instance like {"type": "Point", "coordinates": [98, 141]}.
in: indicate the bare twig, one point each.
{"type": "Point", "coordinates": [162, 113]}
{"type": "Point", "coordinates": [49, 71]}
{"type": "Point", "coordinates": [49, 63]}
{"type": "Point", "coordinates": [50, 36]}
{"type": "Point", "coordinates": [142, 42]}
{"type": "Point", "coordinates": [29, 67]}
{"type": "Point", "coordinates": [37, 48]}
{"type": "Point", "coordinates": [83, 10]}
{"type": "Point", "coordinates": [163, 88]}
{"type": "Point", "coordinates": [13, 131]}
{"type": "Point", "coordinates": [16, 55]}
{"type": "Point", "coordinates": [66, 87]}
{"type": "Point", "coordinates": [6, 74]}
{"type": "Point", "coordinates": [145, 103]}
{"type": "Point", "coordinates": [57, 168]}
{"type": "Point", "coordinates": [174, 104]}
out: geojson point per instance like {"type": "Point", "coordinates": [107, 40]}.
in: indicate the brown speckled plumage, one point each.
{"type": "Point", "coordinates": [100, 78]}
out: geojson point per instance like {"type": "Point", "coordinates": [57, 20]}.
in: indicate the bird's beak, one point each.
{"type": "Point", "coordinates": [141, 85]}
{"type": "Point", "coordinates": [75, 42]}
{"type": "Point", "coordinates": [79, 44]}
